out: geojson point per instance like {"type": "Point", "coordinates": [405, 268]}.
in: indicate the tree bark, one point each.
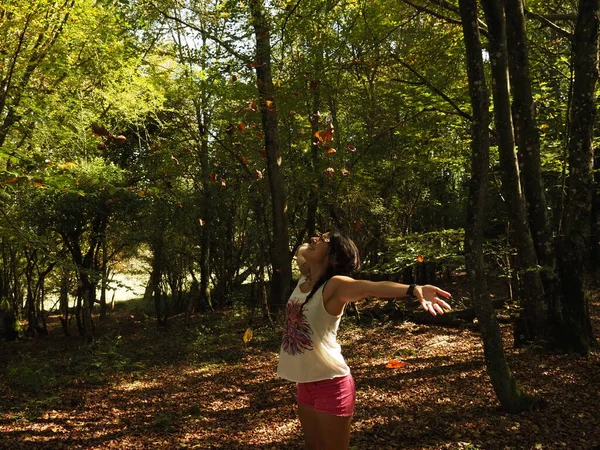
{"type": "Point", "coordinates": [533, 323]}
{"type": "Point", "coordinates": [510, 396]}
{"type": "Point", "coordinates": [574, 245]}
{"type": "Point", "coordinates": [280, 251]}
{"type": "Point", "coordinates": [528, 141]}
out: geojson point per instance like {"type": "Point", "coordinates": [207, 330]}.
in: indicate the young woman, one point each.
{"type": "Point", "coordinates": [310, 354]}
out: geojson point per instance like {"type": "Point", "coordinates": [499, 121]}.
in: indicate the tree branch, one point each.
{"type": "Point", "coordinates": [546, 21]}
{"type": "Point", "coordinates": [431, 86]}
{"type": "Point", "coordinates": [245, 59]}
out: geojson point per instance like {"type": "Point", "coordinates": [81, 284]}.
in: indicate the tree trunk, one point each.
{"type": "Point", "coordinates": [528, 141]}
{"type": "Point", "coordinates": [280, 251]}
{"type": "Point", "coordinates": [574, 246]}
{"type": "Point", "coordinates": [533, 325]}
{"type": "Point", "coordinates": [510, 396]}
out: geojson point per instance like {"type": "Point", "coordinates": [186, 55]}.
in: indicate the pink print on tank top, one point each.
{"type": "Point", "coordinates": [297, 335]}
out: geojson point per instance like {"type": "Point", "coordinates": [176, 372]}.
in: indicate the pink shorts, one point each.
{"type": "Point", "coordinates": [335, 396]}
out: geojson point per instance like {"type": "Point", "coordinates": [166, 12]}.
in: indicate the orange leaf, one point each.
{"type": "Point", "coordinates": [12, 180]}
{"type": "Point", "coordinates": [395, 364]}
{"type": "Point", "coordinates": [213, 177]}
{"type": "Point", "coordinates": [259, 135]}
{"type": "Point", "coordinates": [420, 258]}
{"type": "Point", "coordinates": [40, 185]}
{"type": "Point", "coordinates": [242, 126]}
{"type": "Point", "coordinates": [244, 160]}
{"type": "Point", "coordinates": [331, 151]}
{"type": "Point", "coordinates": [269, 103]}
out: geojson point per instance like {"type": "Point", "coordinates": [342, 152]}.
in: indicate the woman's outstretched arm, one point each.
{"type": "Point", "coordinates": [343, 290]}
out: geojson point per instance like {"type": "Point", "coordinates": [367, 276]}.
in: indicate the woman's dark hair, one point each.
{"type": "Point", "coordinates": [343, 259]}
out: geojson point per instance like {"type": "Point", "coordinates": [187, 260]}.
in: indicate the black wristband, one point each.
{"type": "Point", "coordinates": [410, 290]}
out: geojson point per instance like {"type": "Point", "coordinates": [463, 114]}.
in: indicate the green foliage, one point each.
{"type": "Point", "coordinates": [444, 248]}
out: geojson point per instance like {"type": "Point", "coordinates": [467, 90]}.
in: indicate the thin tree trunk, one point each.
{"type": "Point", "coordinates": [528, 141]}
{"type": "Point", "coordinates": [573, 251]}
{"type": "Point", "coordinates": [533, 322]}
{"type": "Point", "coordinates": [510, 396]}
{"type": "Point", "coordinates": [280, 251]}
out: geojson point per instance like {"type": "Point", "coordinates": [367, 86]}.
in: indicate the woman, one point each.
{"type": "Point", "coordinates": [310, 354]}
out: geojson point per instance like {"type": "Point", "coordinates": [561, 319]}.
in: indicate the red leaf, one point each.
{"type": "Point", "coordinates": [213, 177]}
{"type": "Point", "coordinates": [356, 225]}
{"type": "Point", "coordinates": [244, 160]}
{"type": "Point", "coordinates": [259, 135]}
{"type": "Point", "coordinates": [352, 148]}
{"type": "Point", "coordinates": [263, 154]}
{"type": "Point", "coordinates": [242, 126]}
{"type": "Point", "coordinates": [395, 364]}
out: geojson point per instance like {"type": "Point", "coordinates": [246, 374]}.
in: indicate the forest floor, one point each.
{"type": "Point", "coordinates": [197, 385]}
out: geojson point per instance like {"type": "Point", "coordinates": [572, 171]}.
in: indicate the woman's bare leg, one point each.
{"type": "Point", "coordinates": [324, 431]}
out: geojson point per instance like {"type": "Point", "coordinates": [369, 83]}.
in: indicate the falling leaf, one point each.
{"type": "Point", "coordinates": [242, 126]}
{"type": "Point", "coordinates": [352, 148]}
{"type": "Point", "coordinates": [329, 171]}
{"type": "Point", "coordinates": [344, 172]}
{"type": "Point", "coordinates": [244, 160]}
{"type": "Point", "coordinates": [201, 222]}
{"type": "Point", "coordinates": [259, 135]}
{"type": "Point", "coordinates": [314, 84]}
{"type": "Point", "coordinates": [120, 139]}
{"type": "Point", "coordinates": [40, 185]}
{"type": "Point", "coordinates": [252, 106]}
{"type": "Point", "coordinates": [247, 336]}
{"type": "Point", "coordinates": [420, 258]}
{"type": "Point", "coordinates": [263, 154]}
{"type": "Point", "coordinates": [269, 103]}
{"type": "Point", "coordinates": [223, 182]}
{"type": "Point", "coordinates": [356, 225]}
{"type": "Point", "coordinates": [259, 175]}
{"type": "Point", "coordinates": [99, 130]}
{"type": "Point", "coordinates": [395, 364]}
{"type": "Point", "coordinates": [213, 177]}
{"type": "Point", "coordinates": [176, 160]}
{"type": "Point", "coordinates": [331, 151]}
{"type": "Point", "coordinates": [12, 180]}
{"type": "Point", "coordinates": [233, 77]}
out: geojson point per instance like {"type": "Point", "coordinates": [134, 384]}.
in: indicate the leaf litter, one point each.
{"type": "Point", "coordinates": [212, 384]}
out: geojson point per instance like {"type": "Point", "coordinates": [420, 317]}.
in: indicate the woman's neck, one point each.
{"type": "Point", "coordinates": [315, 273]}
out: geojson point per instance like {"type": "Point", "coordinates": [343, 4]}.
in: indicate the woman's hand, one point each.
{"type": "Point", "coordinates": [431, 299]}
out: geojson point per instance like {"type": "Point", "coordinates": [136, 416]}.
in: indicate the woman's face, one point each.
{"type": "Point", "coordinates": [317, 249]}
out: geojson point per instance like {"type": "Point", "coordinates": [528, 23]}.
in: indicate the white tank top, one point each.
{"type": "Point", "coordinates": [309, 349]}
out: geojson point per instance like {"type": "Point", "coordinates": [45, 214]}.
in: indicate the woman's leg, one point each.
{"type": "Point", "coordinates": [324, 431]}
{"type": "Point", "coordinates": [310, 426]}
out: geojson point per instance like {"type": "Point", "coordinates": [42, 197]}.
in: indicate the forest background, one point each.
{"type": "Point", "coordinates": [202, 142]}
